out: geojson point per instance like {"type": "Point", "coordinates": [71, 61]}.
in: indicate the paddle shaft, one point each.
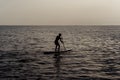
{"type": "Point", "coordinates": [64, 46]}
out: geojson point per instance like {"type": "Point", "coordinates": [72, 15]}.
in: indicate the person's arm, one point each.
{"type": "Point", "coordinates": [61, 39]}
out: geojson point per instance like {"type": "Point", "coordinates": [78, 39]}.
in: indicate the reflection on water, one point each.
{"type": "Point", "coordinates": [95, 55]}
{"type": "Point", "coordinates": [57, 66]}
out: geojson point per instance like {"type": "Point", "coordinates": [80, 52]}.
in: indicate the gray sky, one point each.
{"type": "Point", "coordinates": [59, 12]}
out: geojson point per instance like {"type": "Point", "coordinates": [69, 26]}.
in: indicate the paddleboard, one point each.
{"type": "Point", "coordinates": [53, 52]}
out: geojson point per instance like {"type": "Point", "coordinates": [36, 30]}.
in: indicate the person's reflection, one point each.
{"type": "Point", "coordinates": [57, 66]}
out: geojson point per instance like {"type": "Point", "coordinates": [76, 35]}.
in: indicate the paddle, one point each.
{"type": "Point", "coordinates": [64, 46]}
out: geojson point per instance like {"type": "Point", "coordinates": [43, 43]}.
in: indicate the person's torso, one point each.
{"type": "Point", "coordinates": [57, 39]}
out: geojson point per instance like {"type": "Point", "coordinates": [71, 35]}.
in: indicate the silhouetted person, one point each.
{"type": "Point", "coordinates": [57, 40]}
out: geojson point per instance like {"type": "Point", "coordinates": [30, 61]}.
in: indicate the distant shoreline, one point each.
{"type": "Point", "coordinates": [58, 25]}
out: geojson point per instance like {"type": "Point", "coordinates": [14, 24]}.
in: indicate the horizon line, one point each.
{"type": "Point", "coordinates": [62, 25]}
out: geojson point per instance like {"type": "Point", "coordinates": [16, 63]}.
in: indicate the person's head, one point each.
{"type": "Point", "coordinates": [60, 34]}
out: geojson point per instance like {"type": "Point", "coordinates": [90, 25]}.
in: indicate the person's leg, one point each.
{"type": "Point", "coordinates": [56, 48]}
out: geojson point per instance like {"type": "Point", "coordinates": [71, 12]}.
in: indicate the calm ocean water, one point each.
{"type": "Point", "coordinates": [95, 55]}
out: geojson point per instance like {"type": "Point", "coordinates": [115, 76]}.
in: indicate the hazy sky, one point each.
{"type": "Point", "coordinates": [59, 12]}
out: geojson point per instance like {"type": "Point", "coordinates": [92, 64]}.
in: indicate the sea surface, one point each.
{"type": "Point", "coordinates": [95, 53]}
